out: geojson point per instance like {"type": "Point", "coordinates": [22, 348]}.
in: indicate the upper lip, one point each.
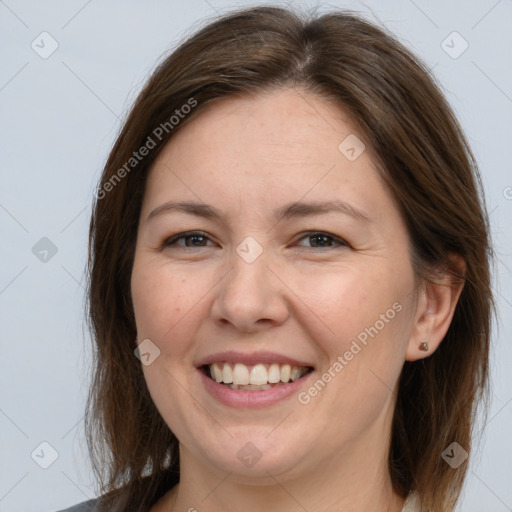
{"type": "Point", "coordinates": [251, 358]}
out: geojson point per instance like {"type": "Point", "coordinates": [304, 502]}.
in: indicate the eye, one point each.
{"type": "Point", "coordinates": [191, 239]}
{"type": "Point", "coordinates": [321, 239]}
{"type": "Point", "coordinates": [194, 239]}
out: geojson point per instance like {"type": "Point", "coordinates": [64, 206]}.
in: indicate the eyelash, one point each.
{"type": "Point", "coordinates": [188, 234]}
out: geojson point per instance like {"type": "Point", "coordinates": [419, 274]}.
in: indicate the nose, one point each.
{"type": "Point", "coordinates": [251, 297]}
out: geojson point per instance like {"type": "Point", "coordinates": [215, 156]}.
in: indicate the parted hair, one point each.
{"type": "Point", "coordinates": [424, 158]}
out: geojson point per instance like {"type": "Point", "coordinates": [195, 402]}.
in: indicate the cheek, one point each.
{"type": "Point", "coordinates": [346, 302]}
{"type": "Point", "coordinates": [367, 320]}
{"type": "Point", "coordinates": [162, 299]}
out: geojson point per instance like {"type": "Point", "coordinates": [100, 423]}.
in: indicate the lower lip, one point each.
{"type": "Point", "coordinates": [250, 399]}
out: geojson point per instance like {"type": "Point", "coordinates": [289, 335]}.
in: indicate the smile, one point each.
{"type": "Point", "coordinates": [253, 380]}
{"type": "Point", "coordinates": [256, 377]}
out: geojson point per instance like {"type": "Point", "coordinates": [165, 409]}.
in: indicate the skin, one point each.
{"type": "Point", "coordinates": [248, 156]}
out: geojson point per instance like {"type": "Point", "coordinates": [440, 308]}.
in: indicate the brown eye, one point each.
{"type": "Point", "coordinates": [191, 239]}
{"type": "Point", "coordinates": [321, 239]}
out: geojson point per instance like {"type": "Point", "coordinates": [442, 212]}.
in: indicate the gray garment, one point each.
{"type": "Point", "coordinates": [85, 506]}
{"type": "Point", "coordinates": [93, 505]}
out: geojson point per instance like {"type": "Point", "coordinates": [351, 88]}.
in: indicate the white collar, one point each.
{"type": "Point", "coordinates": [412, 503]}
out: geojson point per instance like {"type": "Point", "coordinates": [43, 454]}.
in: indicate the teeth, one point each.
{"type": "Point", "coordinates": [285, 372]}
{"type": "Point", "coordinates": [295, 373]}
{"type": "Point", "coordinates": [274, 374]}
{"type": "Point", "coordinates": [217, 372]}
{"type": "Point", "coordinates": [257, 377]}
{"type": "Point", "coordinates": [240, 374]}
{"type": "Point", "coordinates": [227, 374]}
{"type": "Point", "coordinates": [251, 388]}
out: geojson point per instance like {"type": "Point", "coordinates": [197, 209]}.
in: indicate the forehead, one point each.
{"type": "Point", "coordinates": [263, 150]}
{"type": "Point", "coordinates": [276, 125]}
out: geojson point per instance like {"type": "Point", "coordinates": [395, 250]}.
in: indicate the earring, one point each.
{"type": "Point", "coordinates": [423, 346]}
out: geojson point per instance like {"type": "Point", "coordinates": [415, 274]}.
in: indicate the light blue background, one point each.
{"type": "Point", "coordinates": [59, 117]}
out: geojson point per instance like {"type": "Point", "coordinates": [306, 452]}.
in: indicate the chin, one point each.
{"type": "Point", "coordinates": [254, 458]}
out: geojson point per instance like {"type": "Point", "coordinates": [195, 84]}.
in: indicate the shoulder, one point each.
{"type": "Point", "coordinates": [85, 506]}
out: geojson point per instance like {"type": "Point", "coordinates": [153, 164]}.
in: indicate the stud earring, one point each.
{"type": "Point", "coordinates": [423, 346]}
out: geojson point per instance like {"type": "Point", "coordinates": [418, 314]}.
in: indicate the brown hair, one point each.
{"type": "Point", "coordinates": [422, 155]}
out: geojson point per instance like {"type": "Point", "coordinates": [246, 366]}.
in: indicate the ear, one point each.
{"type": "Point", "coordinates": [436, 304]}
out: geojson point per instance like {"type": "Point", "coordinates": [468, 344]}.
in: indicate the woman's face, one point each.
{"type": "Point", "coordinates": [267, 276]}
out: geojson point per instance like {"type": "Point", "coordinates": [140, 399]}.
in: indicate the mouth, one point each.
{"type": "Point", "coordinates": [254, 377]}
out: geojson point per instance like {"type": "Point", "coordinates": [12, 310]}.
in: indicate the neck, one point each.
{"type": "Point", "coordinates": [322, 494]}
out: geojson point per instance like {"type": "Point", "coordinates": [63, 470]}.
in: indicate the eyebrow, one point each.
{"type": "Point", "coordinates": [295, 209]}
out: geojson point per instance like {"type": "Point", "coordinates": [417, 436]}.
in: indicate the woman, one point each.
{"type": "Point", "coordinates": [289, 279]}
